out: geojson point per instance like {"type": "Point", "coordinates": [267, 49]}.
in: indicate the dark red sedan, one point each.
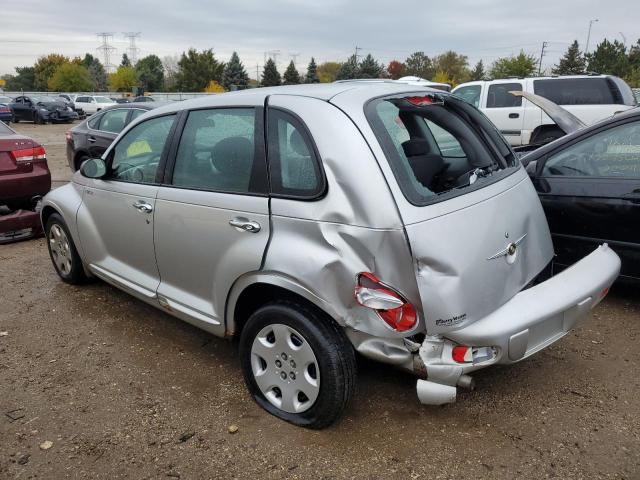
{"type": "Point", "coordinates": [24, 173]}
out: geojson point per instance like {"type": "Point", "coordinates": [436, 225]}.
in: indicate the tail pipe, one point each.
{"type": "Point", "coordinates": [432, 393]}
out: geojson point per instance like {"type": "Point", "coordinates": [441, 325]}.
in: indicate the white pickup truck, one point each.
{"type": "Point", "coordinates": [589, 97]}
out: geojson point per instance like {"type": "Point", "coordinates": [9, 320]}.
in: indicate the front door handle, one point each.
{"type": "Point", "coordinates": [91, 139]}
{"type": "Point", "coordinates": [514, 115]}
{"type": "Point", "coordinates": [245, 224]}
{"type": "Point", "coordinates": [143, 206]}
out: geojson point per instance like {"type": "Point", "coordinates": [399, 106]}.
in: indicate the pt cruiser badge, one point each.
{"type": "Point", "coordinates": [511, 252]}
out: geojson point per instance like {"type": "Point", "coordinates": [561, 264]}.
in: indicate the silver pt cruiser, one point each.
{"type": "Point", "coordinates": [315, 221]}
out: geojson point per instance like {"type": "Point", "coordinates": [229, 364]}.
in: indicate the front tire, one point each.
{"type": "Point", "coordinates": [297, 364]}
{"type": "Point", "coordinates": [62, 251]}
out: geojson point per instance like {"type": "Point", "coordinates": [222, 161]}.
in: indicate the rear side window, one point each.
{"type": "Point", "coordinates": [135, 113]}
{"type": "Point", "coordinates": [114, 120]}
{"type": "Point", "coordinates": [217, 152]}
{"type": "Point", "coordinates": [435, 148]}
{"type": "Point", "coordinates": [293, 164]}
{"type": "Point", "coordinates": [94, 122]}
{"type": "Point", "coordinates": [498, 95]}
{"type": "Point", "coordinates": [578, 91]}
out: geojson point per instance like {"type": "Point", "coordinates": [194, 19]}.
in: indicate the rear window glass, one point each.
{"type": "Point", "coordinates": [433, 149]}
{"type": "Point", "coordinates": [578, 91]}
{"type": "Point", "coordinates": [5, 129]}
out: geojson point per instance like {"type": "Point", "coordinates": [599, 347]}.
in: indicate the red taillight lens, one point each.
{"type": "Point", "coordinates": [390, 306]}
{"type": "Point", "coordinates": [33, 154]}
{"type": "Point", "coordinates": [424, 100]}
{"type": "Point", "coordinates": [4, 109]}
{"type": "Point", "coordinates": [462, 354]}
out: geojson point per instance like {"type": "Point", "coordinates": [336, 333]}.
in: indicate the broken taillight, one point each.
{"type": "Point", "coordinates": [32, 154]}
{"type": "Point", "coordinates": [424, 100]}
{"type": "Point", "coordinates": [390, 306]}
{"type": "Point", "coordinates": [465, 354]}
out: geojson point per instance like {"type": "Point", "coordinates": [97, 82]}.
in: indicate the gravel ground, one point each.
{"type": "Point", "coordinates": [95, 384]}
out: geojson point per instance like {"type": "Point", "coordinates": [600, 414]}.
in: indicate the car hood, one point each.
{"type": "Point", "coordinates": [567, 121]}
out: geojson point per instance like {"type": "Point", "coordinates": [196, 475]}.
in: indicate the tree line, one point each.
{"type": "Point", "coordinates": [198, 71]}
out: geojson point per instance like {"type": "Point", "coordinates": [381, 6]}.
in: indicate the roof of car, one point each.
{"type": "Point", "coordinates": [322, 91]}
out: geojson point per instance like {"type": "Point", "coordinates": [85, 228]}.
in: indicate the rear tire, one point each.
{"type": "Point", "coordinates": [309, 374]}
{"type": "Point", "coordinates": [62, 251]}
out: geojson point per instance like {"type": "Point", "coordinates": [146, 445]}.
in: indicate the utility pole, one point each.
{"type": "Point", "coordinates": [133, 49]}
{"type": "Point", "coordinates": [591, 22]}
{"type": "Point", "coordinates": [257, 74]}
{"type": "Point", "coordinates": [106, 49]}
{"type": "Point", "coordinates": [356, 54]}
{"type": "Point", "coordinates": [544, 46]}
{"type": "Point", "coordinates": [624, 39]}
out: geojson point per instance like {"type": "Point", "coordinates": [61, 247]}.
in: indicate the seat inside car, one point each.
{"type": "Point", "coordinates": [425, 165]}
{"type": "Point", "coordinates": [232, 158]}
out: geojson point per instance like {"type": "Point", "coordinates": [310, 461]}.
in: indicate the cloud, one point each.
{"type": "Point", "coordinates": [327, 30]}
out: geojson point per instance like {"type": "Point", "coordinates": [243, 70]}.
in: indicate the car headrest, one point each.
{"type": "Point", "coordinates": [297, 144]}
{"type": "Point", "coordinates": [417, 146]}
{"type": "Point", "coordinates": [233, 155]}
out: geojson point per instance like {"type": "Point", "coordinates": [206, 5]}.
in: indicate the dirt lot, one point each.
{"type": "Point", "coordinates": [125, 391]}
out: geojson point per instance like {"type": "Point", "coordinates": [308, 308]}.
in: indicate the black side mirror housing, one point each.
{"type": "Point", "coordinates": [93, 168]}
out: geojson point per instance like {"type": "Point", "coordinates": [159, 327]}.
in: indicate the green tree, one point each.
{"type": "Point", "coordinates": [196, 70]}
{"type": "Point", "coordinates": [454, 65]}
{"type": "Point", "coordinates": [419, 65]}
{"type": "Point", "coordinates": [478, 72]}
{"type": "Point", "coordinates": [349, 69]}
{"type": "Point", "coordinates": [370, 68]}
{"type": "Point", "coordinates": [170, 64]}
{"type": "Point", "coordinates": [270, 75]}
{"type": "Point", "coordinates": [634, 55]}
{"type": "Point", "coordinates": [150, 73]}
{"type": "Point", "coordinates": [125, 61]}
{"type": "Point", "coordinates": [609, 58]}
{"type": "Point", "coordinates": [572, 62]}
{"type": "Point", "coordinates": [71, 77]}
{"type": "Point", "coordinates": [234, 75]}
{"type": "Point", "coordinates": [124, 79]}
{"type": "Point", "coordinates": [522, 65]}
{"type": "Point", "coordinates": [328, 71]}
{"type": "Point", "coordinates": [45, 67]}
{"type": "Point", "coordinates": [96, 72]}
{"type": "Point", "coordinates": [24, 80]}
{"type": "Point", "coordinates": [395, 69]}
{"type": "Point", "coordinates": [291, 75]}
{"type": "Point", "coordinates": [312, 72]}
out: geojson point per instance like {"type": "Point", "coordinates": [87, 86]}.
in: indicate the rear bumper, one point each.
{"type": "Point", "coordinates": [531, 321]}
{"type": "Point", "coordinates": [20, 186]}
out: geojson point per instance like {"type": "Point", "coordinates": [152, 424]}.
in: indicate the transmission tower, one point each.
{"type": "Point", "coordinates": [294, 57]}
{"type": "Point", "coordinates": [106, 49]}
{"type": "Point", "coordinates": [273, 54]}
{"type": "Point", "coordinates": [133, 49]}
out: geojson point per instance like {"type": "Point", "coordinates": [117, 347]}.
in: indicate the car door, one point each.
{"type": "Point", "coordinates": [102, 133]}
{"type": "Point", "coordinates": [590, 191]}
{"type": "Point", "coordinates": [505, 110]}
{"type": "Point", "coordinates": [212, 216]}
{"type": "Point", "coordinates": [116, 218]}
{"type": "Point", "coordinates": [22, 109]}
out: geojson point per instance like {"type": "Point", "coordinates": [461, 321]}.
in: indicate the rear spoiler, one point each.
{"type": "Point", "coordinates": [567, 121]}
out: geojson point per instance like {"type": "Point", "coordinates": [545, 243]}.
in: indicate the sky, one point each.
{"type": "Point", "coordinates": [328, 30]}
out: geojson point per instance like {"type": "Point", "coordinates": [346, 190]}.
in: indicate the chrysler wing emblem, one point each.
{"type": "Point", "coordinates": [510, 252]}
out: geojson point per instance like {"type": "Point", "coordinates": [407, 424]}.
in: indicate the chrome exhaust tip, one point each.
{"type": "Point", "coordinates": [431, 393]}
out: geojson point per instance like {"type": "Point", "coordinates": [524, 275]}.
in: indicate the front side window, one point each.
{"type": "Point", "coordinates": [137, 155]}
{"type": "Point", "coordinates": [470, 94]}
{"type": "Point", "coordinates": [113, 120]}
{"type": "Point", "coordinates": [294, 169]}
{"type": "Point", "coordinates": [217, 151]}
{"type": "Point", "coordinates": [498, 95]}
{"type": "Point", "coordinates": [611, 153]}
{"type": "Point", "coordinates": [433, 149]}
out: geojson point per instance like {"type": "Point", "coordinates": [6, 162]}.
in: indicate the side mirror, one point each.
{"type": "Point", "coordinates": [93, 168]}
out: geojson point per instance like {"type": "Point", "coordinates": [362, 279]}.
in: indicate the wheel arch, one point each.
{"type": "Point", "coordinates": [252, 291]}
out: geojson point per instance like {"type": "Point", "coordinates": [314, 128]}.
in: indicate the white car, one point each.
{"type": "Point", "coordinates": [591, 98]}
{"type": "Point", "coordinates": [92, 103]}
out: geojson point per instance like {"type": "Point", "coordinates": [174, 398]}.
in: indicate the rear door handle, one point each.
{"type": "Point", "coordinates": [143, 206]}
{"type": "Point", "coordinates": [514, 115]}
{"type": "Point", "coordinates": [245, 224]}
{"type": "Point", "coordinates": [91, 139]}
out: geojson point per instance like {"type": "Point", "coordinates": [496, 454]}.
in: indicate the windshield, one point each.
{"type": "Point", "coordinates": [43, 99]}
{"type": "Point", "coordinates": [103, 100]}
{"type": "Point", "coordinates": [438, 146]}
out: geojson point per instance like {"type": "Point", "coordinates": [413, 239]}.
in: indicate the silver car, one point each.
{"type": "Point", "coordinates": [316, 221]}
